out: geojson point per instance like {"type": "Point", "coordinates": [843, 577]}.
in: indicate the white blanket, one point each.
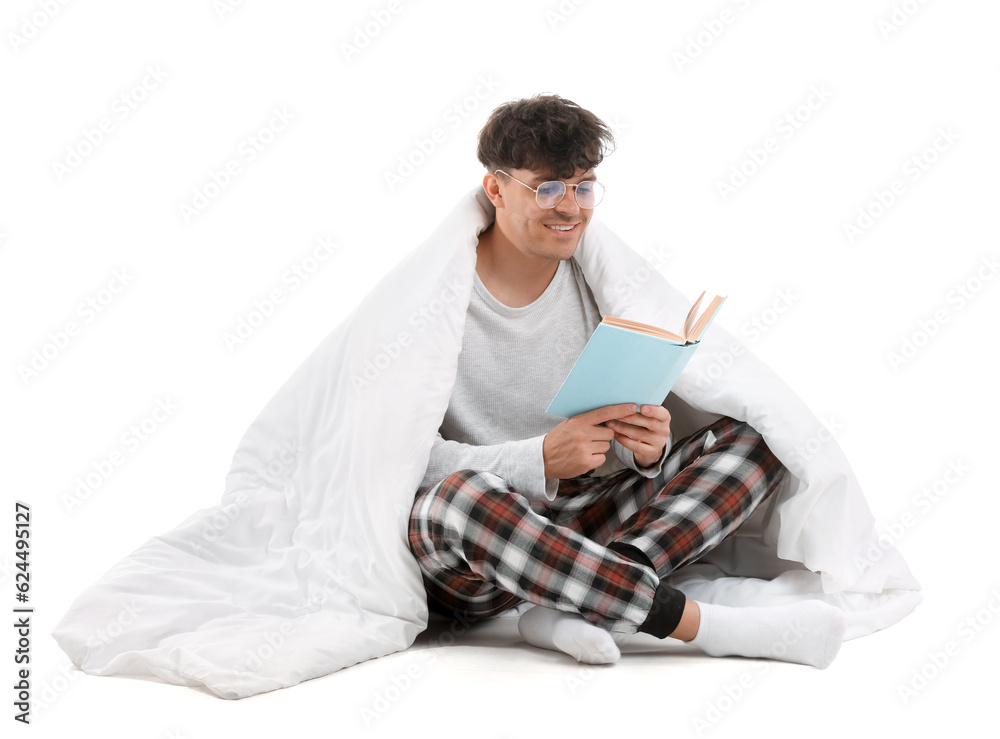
{"type": "Point", "coordinates": [303, 567]}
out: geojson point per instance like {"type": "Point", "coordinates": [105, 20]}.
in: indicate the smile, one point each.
{"type": "Point", "coordinates": [563, 229]}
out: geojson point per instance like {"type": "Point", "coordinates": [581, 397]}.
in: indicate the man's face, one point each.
{"type": "Point", "coordinates": [541, 231]}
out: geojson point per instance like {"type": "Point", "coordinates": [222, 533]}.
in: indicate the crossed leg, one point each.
{"type": "Point", "coordinates": [593, 560]}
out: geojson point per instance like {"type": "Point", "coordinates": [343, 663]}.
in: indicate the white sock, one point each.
{"type": "Point", "coordinates": [568, 632]}
{"type": "Point", "coordinates": [809, 632]}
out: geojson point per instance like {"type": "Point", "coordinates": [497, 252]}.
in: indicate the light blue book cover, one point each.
{"type": "Point", "coordinates": [620, 365]}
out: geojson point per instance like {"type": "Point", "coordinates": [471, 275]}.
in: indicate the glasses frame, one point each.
{"type": "Point", "coordinates": [565, 190]}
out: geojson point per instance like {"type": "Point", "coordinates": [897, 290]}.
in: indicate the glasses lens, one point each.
{"type": "Point", "coordinates": [550, 193]}
{"type": "Point", "coordinates": [589, 194]}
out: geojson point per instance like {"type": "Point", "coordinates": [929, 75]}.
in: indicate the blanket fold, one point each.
{"type": "Point", "coordinates": [302, 568]}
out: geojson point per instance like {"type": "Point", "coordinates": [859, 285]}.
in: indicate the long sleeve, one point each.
{"type": "Point", "coordinates": [512, 363]}
{"type": "Point", "coordinates": [627, 457]}
{"type": "Point", "coordinates": [518, 463]}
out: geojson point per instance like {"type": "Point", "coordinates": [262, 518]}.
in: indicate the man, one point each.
{"type": "Point", "coordinates": [508, 511]}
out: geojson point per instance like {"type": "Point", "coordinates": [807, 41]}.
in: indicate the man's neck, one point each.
{"type": "Point", "coordinates": [514, 278]}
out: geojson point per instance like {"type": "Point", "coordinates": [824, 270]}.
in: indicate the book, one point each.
{"type": "Point", "coordinates": [626, 361]}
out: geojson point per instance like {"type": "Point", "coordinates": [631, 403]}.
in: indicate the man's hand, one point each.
{"type": "Point", "coordinates": [578, 444]}
{"type": "Point", "coordinates": [645, 433]}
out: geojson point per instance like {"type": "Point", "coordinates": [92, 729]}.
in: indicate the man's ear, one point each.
{"type": "Point", "coordinates": [491, 186]}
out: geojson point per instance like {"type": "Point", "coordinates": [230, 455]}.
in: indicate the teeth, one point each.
{"type": "Point", "coordinates": [562, 228]}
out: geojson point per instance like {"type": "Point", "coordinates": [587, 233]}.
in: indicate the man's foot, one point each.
{"type": "Point", "coordinates": [809, 632]}
{"type": "Point", "coordinates": [569, 633]}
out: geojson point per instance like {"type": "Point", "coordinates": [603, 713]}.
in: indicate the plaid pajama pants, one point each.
{"type": "Point", "coordinates": [481, 548]}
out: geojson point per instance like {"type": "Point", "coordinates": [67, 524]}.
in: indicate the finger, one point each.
{"type": "Point", "coordinates": [601, 433]}
{"type": "Point", "coordinates": [637, 433]}
{"type": "Point", "coordinates": [653, 417]}
{"type": "Point", "coordinates": [655, 411]}
{"type": "Point", "coordinates": [635, 421]}
{"type": "Point", "coordinates": [647, 416]}
{"type": "Point", "coordinates": [607, 412]}
{"type": "Point", "coordinates": [636, 446]}
{"type": "Point", "coordinates": [625, 441]}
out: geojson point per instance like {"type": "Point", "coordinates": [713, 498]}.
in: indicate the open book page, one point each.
{"type": "Point", "coordinates": [694, 324]}
{"type": "Point", "coordinates": [695, 333]}
{"type": "Point", "coordinates": [643, 328]}
{"type": "Point", "coordinates": [690, 320]}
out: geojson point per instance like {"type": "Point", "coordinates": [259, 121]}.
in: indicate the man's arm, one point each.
{"type": "Point", "coordinates": [519, 463]}
{"type": "Point", "coordinates": [627, 457]}
{"type": "Point", "coordinates": [646, 435]}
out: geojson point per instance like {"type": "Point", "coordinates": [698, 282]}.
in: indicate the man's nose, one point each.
{"type": "Point", "coordinates": [568, 204]}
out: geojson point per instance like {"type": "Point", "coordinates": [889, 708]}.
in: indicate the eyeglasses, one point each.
{"type": "Point", "coordinates": [588, 193]}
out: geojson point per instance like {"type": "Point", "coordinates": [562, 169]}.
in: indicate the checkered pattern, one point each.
{"type": "Point", "coordinates": [482, 549]}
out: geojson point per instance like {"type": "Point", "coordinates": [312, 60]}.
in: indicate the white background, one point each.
{"type": "Point", "coordinates": [888, 87]}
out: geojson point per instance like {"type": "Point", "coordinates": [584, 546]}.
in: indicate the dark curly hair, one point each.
{"type": "Point", "coordinates": [544, 133]}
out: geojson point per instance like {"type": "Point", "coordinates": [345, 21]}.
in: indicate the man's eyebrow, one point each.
{"type": "Point", "coordinates": [588, 175]}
